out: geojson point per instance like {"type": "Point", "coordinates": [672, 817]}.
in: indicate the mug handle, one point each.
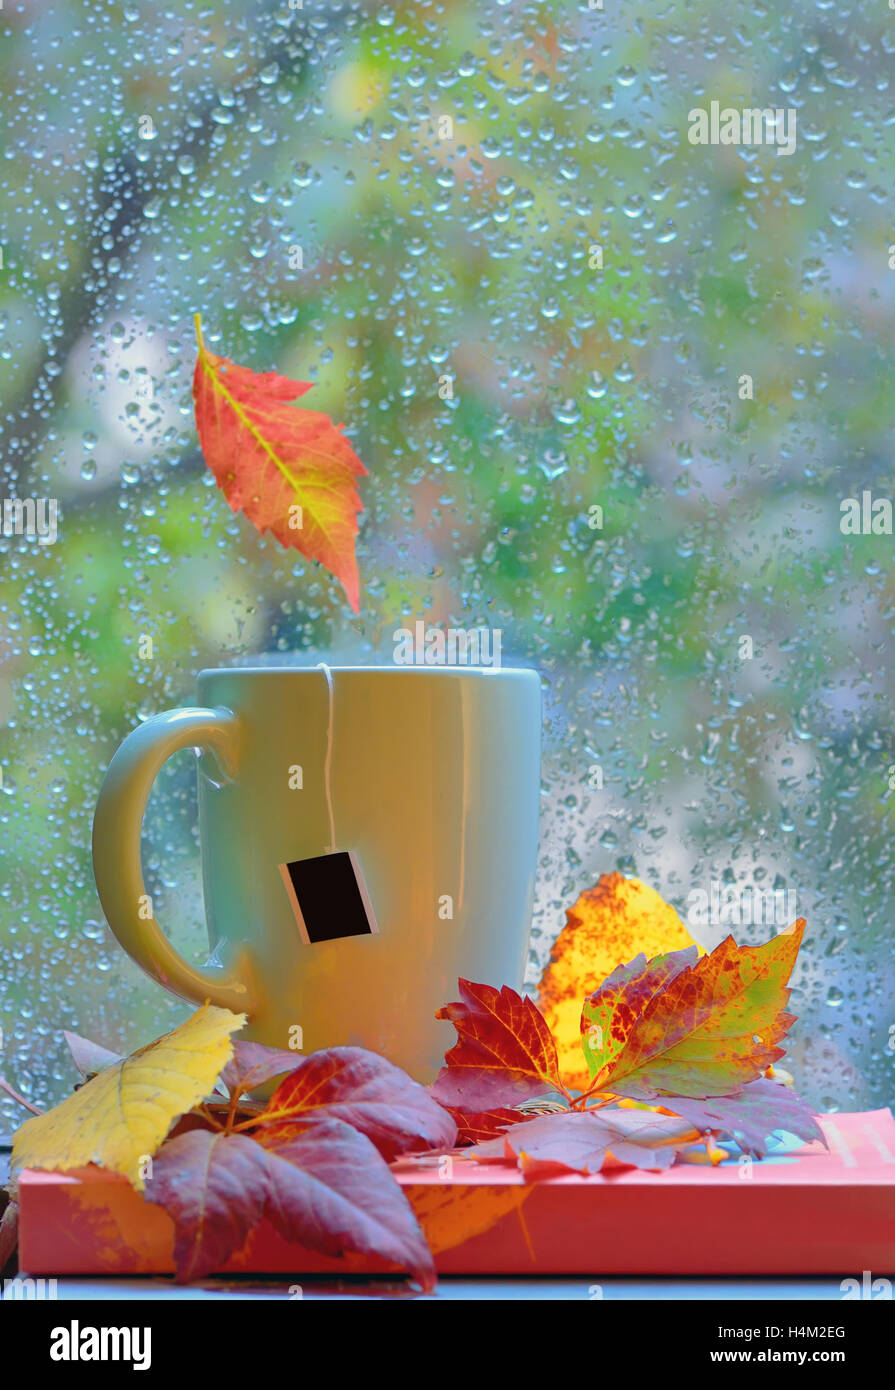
{"type": "Point", "coordinates": [116, 853]}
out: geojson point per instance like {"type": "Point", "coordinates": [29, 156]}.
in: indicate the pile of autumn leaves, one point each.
{"type": "Point", "coordinates": [666, 1054]}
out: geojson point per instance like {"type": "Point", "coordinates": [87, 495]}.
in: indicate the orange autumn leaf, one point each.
{"type": "Point", "coordinates": [448, 1222]}
{"type": "Point", "coordinates": [709, 1027]}
{"type": "Point", "coordinates": [609, 924]}
{"type": "Point", "coordinates": [290, 471]}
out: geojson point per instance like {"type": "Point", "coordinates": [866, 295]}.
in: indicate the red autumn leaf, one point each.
{"type": "Point", "coordinates": [365, 1091]}
{"type": "Point", "coordinates": [762, 1108]}
{"type": "Point", "coordinates": [309, 1162]}
{"type": "Point", "coordinates": [253, 1064]}
{"type": "Point", "coordinates": [214, 1187]}
{"type": "Point", "coordinates": [323, 1186]}
{"type": "Point", "coordinates": [290, 471]}
{"type": "Point", "coordinates": [504, 1051]}
{"type": "Point", "coordinates": [712, 1028]}
{"type": "Point", "coordinates": [474, 1127]}
{"type": "Point", "coordinates": [584, 1141]}
{"type": "Point", "coordinates": [330, 1190]}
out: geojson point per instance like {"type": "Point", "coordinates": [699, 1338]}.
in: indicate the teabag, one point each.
{"type": "Point", "coordinates": [329, 897]}
{"type": "Point", "coordinates": [328, 894]}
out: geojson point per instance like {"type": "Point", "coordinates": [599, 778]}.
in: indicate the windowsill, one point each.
{"type": "Point", "coordinates": [456, 1289]}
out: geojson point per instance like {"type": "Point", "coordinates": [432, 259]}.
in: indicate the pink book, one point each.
{"type": "Point", "coordinates": [804, 1210]}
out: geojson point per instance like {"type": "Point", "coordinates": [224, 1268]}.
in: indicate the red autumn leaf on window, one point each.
{"type": "Point", "coordinates": [290, 471]}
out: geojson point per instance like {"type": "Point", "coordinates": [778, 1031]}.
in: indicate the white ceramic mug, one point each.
{"type": "Point", "coordinates": [407, 797]}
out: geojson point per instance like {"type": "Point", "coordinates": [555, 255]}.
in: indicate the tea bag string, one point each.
{"type": "Point", "coordinates": [327, 766]}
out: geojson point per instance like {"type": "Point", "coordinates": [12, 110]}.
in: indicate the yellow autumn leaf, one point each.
{"type": "Point", "coordinates": [121, 1117]}
{"type": "Point", "coordinates": [608, 926]}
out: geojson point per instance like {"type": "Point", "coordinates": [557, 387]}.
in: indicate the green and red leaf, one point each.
{"type": "Point", "coordinates": [712, 1028]}
{"type": "Point", "coordinates": [611, 1011]}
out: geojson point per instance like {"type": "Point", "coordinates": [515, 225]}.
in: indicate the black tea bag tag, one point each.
{"type": "Point", "coordinates": [329, 897]}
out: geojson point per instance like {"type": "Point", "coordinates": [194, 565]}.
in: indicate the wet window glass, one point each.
{"type": "Point", "coordinates": [604, 295]}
